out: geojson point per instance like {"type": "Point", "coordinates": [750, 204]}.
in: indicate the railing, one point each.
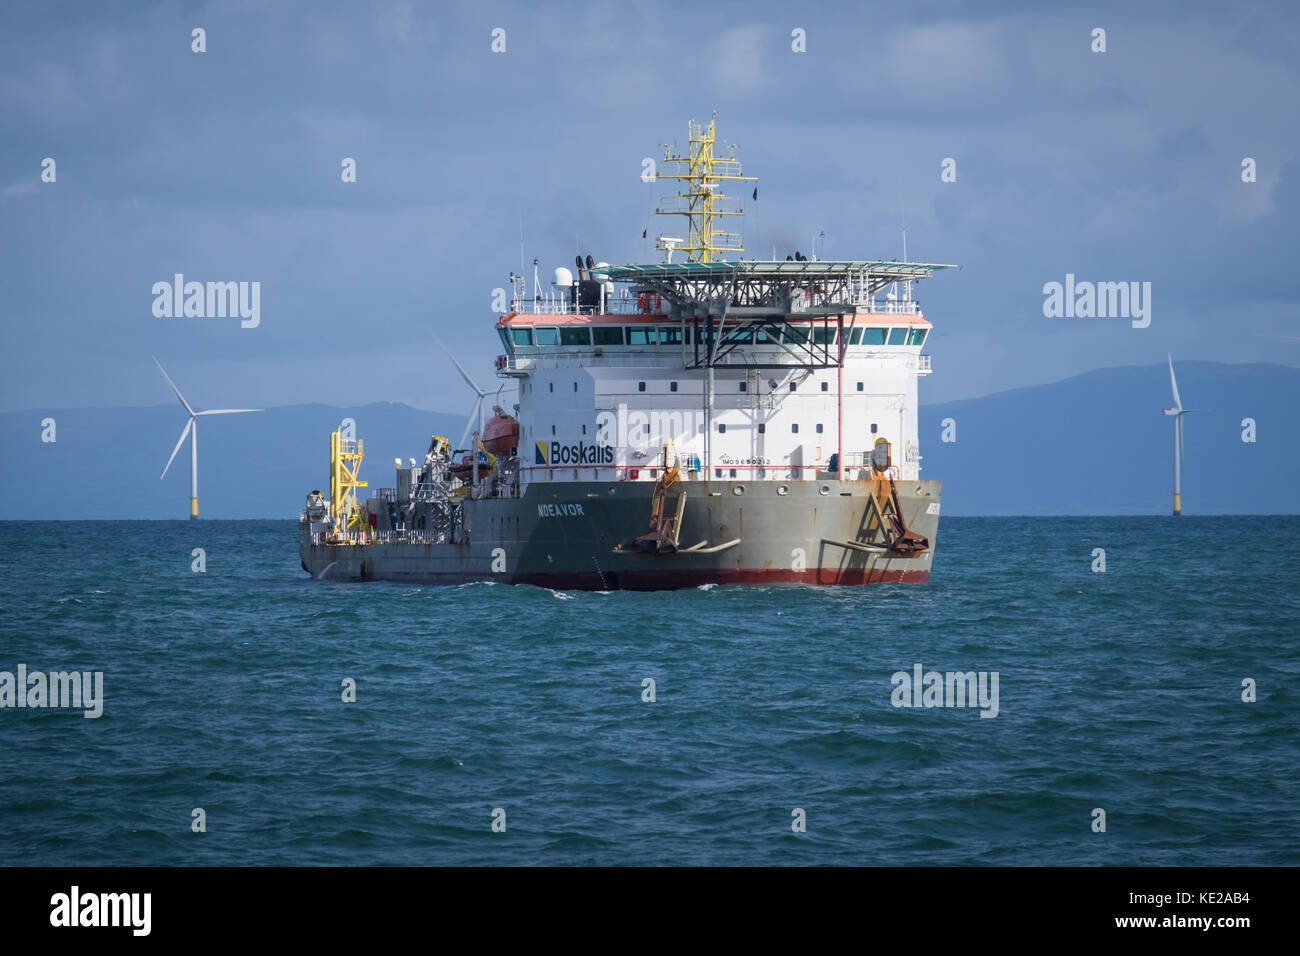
{"type": "Point", "coordinates": [624, 303]}
{"type": "Point", "coordinates": [325, 538]}
{"type": "Point", "coordinates": [672, 357]}
{"type": "Point", "coordinates": [559, 303]}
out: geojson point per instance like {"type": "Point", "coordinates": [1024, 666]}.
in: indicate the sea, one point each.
{"type": "Point", "coordinates": [1144, 711]}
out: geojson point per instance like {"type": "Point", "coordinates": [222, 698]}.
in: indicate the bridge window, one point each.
{"type": "Point", "coordinates": [916, 337]}
{"type": "Point", "coordinates": [548, 337]}
{"type": "Point", "coordinates": [765, 336]}
{"type": "Point", "coordinates": [795, 335]}
{"type": "Point", "coordinates": [575, 336]}
{"type": "Point", "coordinates": [824, 336]}
{"type": "Point", "coordinates": [522, 336]}
{"type": "Point", "coordinates": [670, 336]}
{"type": "Point", "coordinates": [897, 336]}
{"type": "Point", "coordinates": [640, 335]}
{"type": "Point", "coordinates": [855, 337]}
{"type": "Point", "coordinates": [739, 336]}
{"type": "Point", "coordinates": [607, 335]}
{"type": "Point", "coordinates": [874, 336]}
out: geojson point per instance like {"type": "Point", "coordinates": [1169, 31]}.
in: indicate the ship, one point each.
{"type": "Point", "coordinates": [701, 420]}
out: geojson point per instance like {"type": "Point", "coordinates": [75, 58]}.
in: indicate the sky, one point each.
{"type": "Point", "coordinates": [225, 165]}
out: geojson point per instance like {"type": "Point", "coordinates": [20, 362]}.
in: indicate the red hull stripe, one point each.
{"type": "Point", "coordinates": [669, 578]}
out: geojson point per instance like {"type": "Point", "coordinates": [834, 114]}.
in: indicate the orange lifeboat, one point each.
{"type": "Point", "coordinates": [501, 433]}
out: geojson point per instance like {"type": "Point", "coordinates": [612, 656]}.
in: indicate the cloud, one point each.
{"type": "Point", "coordinates": [739, 61]}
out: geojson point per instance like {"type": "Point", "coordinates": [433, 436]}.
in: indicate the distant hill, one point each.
{"type": "Point", "coordinates": [1099, 444]}
{"type": "Point", "coordinates": [1093, 444]}
{"type": "Point", "coordinates": [106, 461]}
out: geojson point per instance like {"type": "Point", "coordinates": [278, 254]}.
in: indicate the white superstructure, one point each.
{"type": "Point", "coordinates": [830, 369]}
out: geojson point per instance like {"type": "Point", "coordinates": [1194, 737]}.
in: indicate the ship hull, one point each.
{"type": "Point", "coordinates": [580, 535]}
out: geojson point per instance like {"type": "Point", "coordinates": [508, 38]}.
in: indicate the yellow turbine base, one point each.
{"type": "Point", "coordinates": [194, 508]}
{"type": "Point", "coordinates": [1178, 503]}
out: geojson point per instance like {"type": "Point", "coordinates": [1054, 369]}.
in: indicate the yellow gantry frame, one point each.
{"type": "Point", "coordinates": [701, 201]}
{"type": "Point", "coordinates": [345, 463]}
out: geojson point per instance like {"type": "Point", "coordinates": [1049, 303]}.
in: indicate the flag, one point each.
{"type": "Point", "coordinates": [756, 194]}
{"type": "Point", "coordinates": [643, 232]}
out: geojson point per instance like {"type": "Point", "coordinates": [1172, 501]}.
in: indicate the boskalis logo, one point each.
{"type": "Point", "coordinates": [573, 453]}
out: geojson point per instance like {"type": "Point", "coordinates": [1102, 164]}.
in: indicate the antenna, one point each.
{"type": "Point", "coordinates": [901, 217]}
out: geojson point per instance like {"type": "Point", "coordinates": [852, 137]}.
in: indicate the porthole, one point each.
{"type": "Point", "coordinates": [738, 490]}
{"type": "Point", "coordinates": [783, 490]}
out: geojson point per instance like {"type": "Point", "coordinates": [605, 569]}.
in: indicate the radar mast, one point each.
{"type": "Point", "coordinates": [701, 202]}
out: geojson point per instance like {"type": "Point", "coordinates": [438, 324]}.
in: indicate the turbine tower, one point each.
{"type": "Point", "coordinates": [475, 414]}
{"type": "Point", "coordinates": [192, 430]}
{"type": "Point", "coordinates": [1177, 412]}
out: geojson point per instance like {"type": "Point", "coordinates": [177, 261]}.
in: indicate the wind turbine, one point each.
{"type": "Point", "coordinates": [475, 413]}
{"type": "Point", "coordinates": [192, 430]}
{"type": "Point", "coordinates": [1177, 412]}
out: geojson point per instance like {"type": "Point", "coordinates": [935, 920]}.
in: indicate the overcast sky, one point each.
{"type": "Point", "coordinates": [225, 166]}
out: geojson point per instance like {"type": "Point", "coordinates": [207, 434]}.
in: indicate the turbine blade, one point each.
{"type": "Point", "coordinates": [229, 411]}
{"type": "Point", "coordinates": [1173, 384]}
{"type": "Point", "coordinates": [184, 434]}
{"type": "Point", "coordinates": [463, 374]}
{"type": "Point", "coordinates": [173, 385]}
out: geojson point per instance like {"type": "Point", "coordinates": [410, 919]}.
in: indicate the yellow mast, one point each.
{"type": "Point", "coordinates": [702, 202]}
{"type": "Point", "coordinates": [345, 463]}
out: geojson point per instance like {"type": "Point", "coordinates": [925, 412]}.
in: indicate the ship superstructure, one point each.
{"type": "Point", "coordinates": [706, 420]}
